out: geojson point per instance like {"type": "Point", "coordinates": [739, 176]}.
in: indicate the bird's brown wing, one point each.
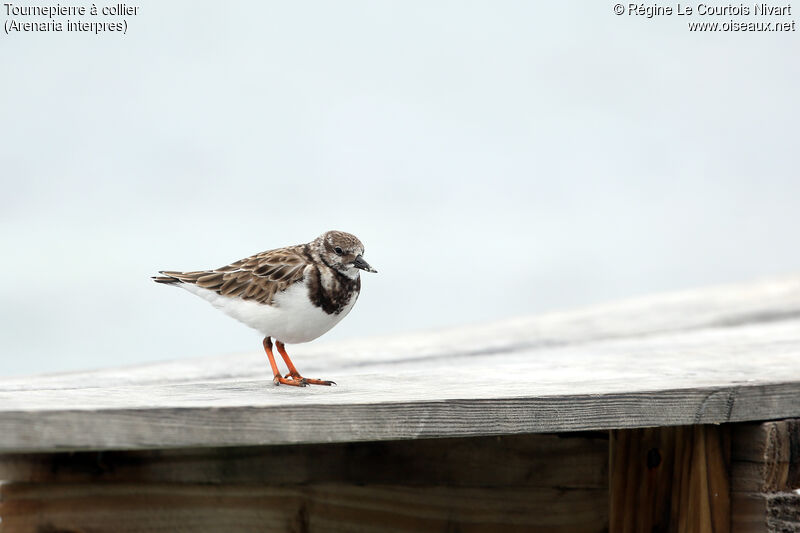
{"type": "Point", "coordinates": [258, 277]}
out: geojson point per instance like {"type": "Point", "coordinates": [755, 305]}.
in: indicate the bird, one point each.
{"type": "Point", "coordinates": [292, 294]}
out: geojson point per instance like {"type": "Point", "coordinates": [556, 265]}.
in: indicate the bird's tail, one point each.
{"type": "Point", "coordinates": [167, 278]}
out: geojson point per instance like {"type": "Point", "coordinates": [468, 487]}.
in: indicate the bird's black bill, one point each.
{"type": "Point", "coordinates": [363, 265]}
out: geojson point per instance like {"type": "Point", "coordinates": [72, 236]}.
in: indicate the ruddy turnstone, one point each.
{"type": "Point", "coordinates": [292, 294]}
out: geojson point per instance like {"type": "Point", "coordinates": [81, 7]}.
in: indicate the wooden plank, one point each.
{"type": "Point", "coordinates": [726, 364]}
{"type": "Point", "coordinates": [670, 479]}
{"type": "Point", "coordinates": [328, 507]}
{"type": "Point", "coordinates": [765, 477]}
{"type": "Point", "coordinates": [575, 460]}
{"type": "Point", "coordinates": [522, 483]}
{"type": "Point", "coordinates": [744, 355]}
{"type": "Point", "coordinates": [708, 308]}
{"type": "Point", "coordinates": [244, 426]}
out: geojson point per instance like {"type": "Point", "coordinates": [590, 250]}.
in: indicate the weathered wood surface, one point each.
{"type": "Point", "coordinates": [687, 478]}
{"type": "Point", "coordinates": [765, 472]}
{"type": "Point", "coordinates": [698, 357]}
{"type": "Point", "coordinates": [532, 483]}
{"type": "Point", "coordinates": [673, 479]}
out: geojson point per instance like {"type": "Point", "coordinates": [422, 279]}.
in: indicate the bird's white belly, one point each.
{"type": "Point", "coordinates": [291, 319]}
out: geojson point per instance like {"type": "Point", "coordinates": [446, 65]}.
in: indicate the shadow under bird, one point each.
{"type": "Point", "coordinates": [293, 294]}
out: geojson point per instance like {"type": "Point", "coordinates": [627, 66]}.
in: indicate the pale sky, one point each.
{"type": "Point", "coordinates": [496, 159]}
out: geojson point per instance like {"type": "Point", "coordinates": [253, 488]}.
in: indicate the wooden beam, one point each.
{"type": "Point", "coordinates": [523, 483]}
{"type": "Point", "coordinates": [327, 507]}
{"type": "Point", "coordinates": [571, 460]}
{"type": "Point", "coordinates": [671, 479]}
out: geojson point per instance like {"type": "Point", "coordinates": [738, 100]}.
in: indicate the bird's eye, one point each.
{"type": "Point", "coordinates": [338, 250]}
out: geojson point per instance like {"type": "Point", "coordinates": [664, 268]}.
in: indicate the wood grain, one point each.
{"type": "Point", "coordinates": [777, 512]}
{"type": "Point", "coordinates": [574, 460]}
{"type": "Point", "coordinates": [670, 480]}
{"type": "Point", "coordinates": [707, 356]}
{"type": "Point", "coordinates": [319, 508]}
{"type": "Point", "coordinates": [158, 428]}
{"type": "Point", "coordinates": [766, 456]}
{"type": "Point", "coordinates": [523, 483]}
{"type": "Point", "coordinates": [709, 308]}
{"type": "Point", "coordinates": [765, 477]}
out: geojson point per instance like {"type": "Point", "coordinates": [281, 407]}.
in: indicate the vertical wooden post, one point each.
{"type": "Point", "coordinates": [766, 477]}
{"type": "Point", "coordinates": [670, 479]}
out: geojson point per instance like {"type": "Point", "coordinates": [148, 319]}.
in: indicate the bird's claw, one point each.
{"type": "Point", "coordinates": [277, 380]}
{"type": "Point", "coordinates": [319, 382]}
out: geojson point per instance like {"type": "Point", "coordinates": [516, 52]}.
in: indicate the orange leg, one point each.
{"type": "Point", "coordinates": [293, 371]}
{"type": "Point", "coordinates": [277, 380]}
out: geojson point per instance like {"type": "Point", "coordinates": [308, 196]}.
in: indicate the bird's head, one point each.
{"type": "Point", "coordinates": [342, 252]}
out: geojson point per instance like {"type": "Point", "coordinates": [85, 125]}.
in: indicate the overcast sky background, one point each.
{"type": "Point", "coordinates": [496, 158]}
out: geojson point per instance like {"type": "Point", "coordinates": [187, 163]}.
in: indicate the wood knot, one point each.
{"type": "Point", "coordinates": [653, 458]}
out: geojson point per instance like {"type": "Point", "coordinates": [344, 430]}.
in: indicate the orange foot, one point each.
{"type": "Point", "coordinates": [277, 380]}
